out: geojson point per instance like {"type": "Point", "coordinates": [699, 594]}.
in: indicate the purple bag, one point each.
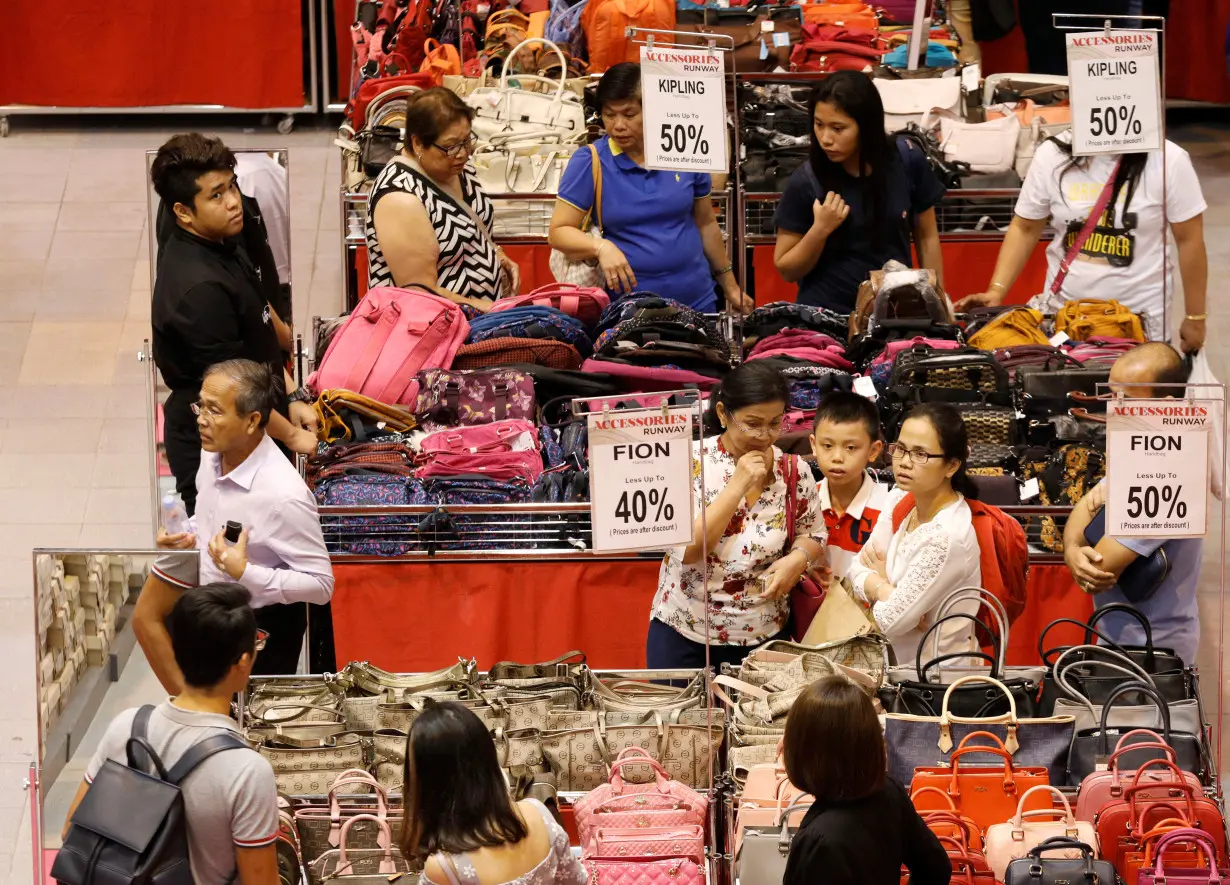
{"type": "Point", "coordinates": [370, 535]}
{"type": "Point", "coordinates": [1212, 875]}
{"type": "Point", "coordinates": [479, 396]}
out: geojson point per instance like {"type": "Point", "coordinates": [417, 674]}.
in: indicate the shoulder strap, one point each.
{"type": "Point", "coordinates": [140, 731]}
{"type": "Point", "coordinates": [902, 510]}
{"type": "Point", "coordinates": [449, 868]}
{"type": "Point", "coordinates": [1091, 222]}
{"type": "Point", "coordinates": [792, 494]}
{"type": "Point", "coordinates": [201, 751]}
{"type": "Point", "coordinates": [596, 171]}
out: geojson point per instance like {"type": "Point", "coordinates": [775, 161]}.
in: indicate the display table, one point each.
{"type": "Point", "coordinates": [417, 616]}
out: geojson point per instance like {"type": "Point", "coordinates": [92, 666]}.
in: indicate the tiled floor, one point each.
{"type": "Point", "coordinates": [74, 308]}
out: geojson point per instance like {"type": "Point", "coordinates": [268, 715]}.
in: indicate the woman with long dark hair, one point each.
{"type": "Point", "coordinates": [749, 565]}
{"type": "Point", "coordinates": [906, 569]}
{"type": "Point", "coordinates": [860, 199]}
{"type": "Point", "coordinates": [1125, 257]}
{"type": "Point", "coordinates": [461, 823]}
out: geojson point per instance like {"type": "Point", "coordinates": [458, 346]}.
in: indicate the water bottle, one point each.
{"type": "Point", "coordinates": [174, 516]}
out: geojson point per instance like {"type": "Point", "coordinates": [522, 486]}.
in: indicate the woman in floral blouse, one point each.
{"type": "Point", "coordinates": [750, 570]}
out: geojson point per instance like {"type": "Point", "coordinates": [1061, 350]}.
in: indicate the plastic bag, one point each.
{"type": "Point", "coordinates": [1202, 373]}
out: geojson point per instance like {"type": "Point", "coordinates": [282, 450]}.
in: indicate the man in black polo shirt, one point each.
{"type": "Point", "coordinates": [208, 306]}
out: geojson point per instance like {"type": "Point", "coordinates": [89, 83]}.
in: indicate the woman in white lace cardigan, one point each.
{"type": "Point", "coordinates": [905, 571]}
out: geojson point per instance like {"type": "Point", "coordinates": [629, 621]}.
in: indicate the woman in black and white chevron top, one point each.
{"type": "Point", "coordinates": [428, 219]}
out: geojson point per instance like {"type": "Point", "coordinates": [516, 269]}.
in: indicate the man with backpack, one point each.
{"type": "Point", "coordinates": [223, 816]}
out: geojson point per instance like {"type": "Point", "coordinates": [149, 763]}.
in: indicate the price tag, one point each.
{"type": "Point", "coordinates": [641, 478]}
{"type": "Point", "coordinates": [766, 25]}
{"type": "Point", "coordinates": [683, 92]}
{"type": "Point", "coordinates": [1058, 338]}
{"type": "Point", "coordinates": [865, 387]}
{"type": "Point", "coordinates": [1030, 489]}
{"type": "Point", "coordinates": [1115, 91]}
{"type": "Point", "coordinates": [781, 38]}
{"type": "Point", "coordinates": [1157, 461]}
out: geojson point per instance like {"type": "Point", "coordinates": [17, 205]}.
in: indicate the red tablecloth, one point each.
{"type": "Point", "coordinates": [134, 53]}
{"type": "Point", "coordinates": [417, 616]}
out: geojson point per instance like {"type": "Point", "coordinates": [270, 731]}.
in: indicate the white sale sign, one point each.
{"type": "Point", "coordinates": [1157, 468]}
{"type": "Point", "coordinates": [1115, 91]}
{"type": "Point", "coordinates": [683, 94]}
{"type": "Point", "coordinates": [640, 478]}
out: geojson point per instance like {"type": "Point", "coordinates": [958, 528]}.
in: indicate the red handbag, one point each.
{"type": "Point", "coordinates": [1167, 870]}
{"type": "Point", "coordinates": [968, 867]}
{"type": "Point", "coordinates": [1123, 823]}
{"type": "Point", "coordinates": [985, 794]}
{"type": "Point", "coordinates": [948, 822]}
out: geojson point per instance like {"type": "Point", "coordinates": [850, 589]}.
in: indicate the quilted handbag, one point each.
{"type": "Point", "coordinates": [915, 741]}
{"type": "Point", "coordinates": [1123, 823]}
{"type": "Point", "coordinates": [1013, 839]}
{"type": "Point", "coordinates": [763, 853]}
{"type": "Point", "coordinates": [665, 800]}
{"type": "Point", "coordinates": [1165, 872]}
{"type": "Point", "coordinates": [1107, 783]}
{"type": "Point", "coordinates": [582, 758]}
{"type": "Point", "coordinates": [483, 396]}
{"type": "Point", "coordinates": [349, 865]}
{"type": "Point", "coordinates": [686, 841]}
{"type": "Point", "coordinates": [320, 826]}
{"type": "Point", "coordinates": [311, 771]}
{"type": "Point", "coordinates": [1042, 867]}
{"type": "Point", "coordinates": [1089, 745]}
{"type": "Point", "coordinates": [509, 110]}
{"type": "Point", "coordinates": [986, 794]}
{"type": "Point", "coordinates": [643, 870]}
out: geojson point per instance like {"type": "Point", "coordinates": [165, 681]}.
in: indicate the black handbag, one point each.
{"type": "Point", "coordinates": [1091, 747]}
{"type": "Point", "coordinates": [1037, 869]}
{"type": "Point", "coordinates": [924, 697]}
{"type": "Point", "coordinates": [1044, 389]}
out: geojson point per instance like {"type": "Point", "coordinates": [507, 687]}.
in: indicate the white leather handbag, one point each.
{"type": "Point", "coordinates": [510, 110]}
{"type": "Point", "coordinates": [1016, 838]}
{"type": "Point", "coordinates": [908, 101]}
{"type": "Point", "coordinates": [522, 169]}
{"type": "Point", "coordinates": [986, 147]}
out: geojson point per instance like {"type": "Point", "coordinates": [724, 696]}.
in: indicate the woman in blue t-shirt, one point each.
{"type": "Point", "coordinates": [857, 201]}
{"type": "Point", "coordinates": [659, 230]}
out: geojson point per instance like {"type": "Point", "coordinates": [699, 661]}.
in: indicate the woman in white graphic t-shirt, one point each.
{"type": "Point", "coordinates": [1124, 259]}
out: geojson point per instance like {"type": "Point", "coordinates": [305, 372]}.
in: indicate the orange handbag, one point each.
{"type": "Point", "coordinates": [968, 867]}
{"type": "Point", "coordinates": [949, 822]}
{"type": "Point", "coordinates": [442, 61]}
{"type": "Point", "coordinates": [985, 794]}
{"type": "Point", "coordinates": [846, 15]}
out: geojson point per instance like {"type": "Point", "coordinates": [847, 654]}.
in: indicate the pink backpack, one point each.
{"type": "Point", "coordinates": [788, 338]}
{"type": "Point", "coordinates": [834, 358]}
{"type": "Point", "coordinates": [1100, 349]}
{"type": "Point", "coordinates": [502, 450]}
{"type": "Point", "coordinates": [647, 379]}
{"type": "Point", "coordinates": [388, 339]}
{"type": "Point", "coordinates": [586, 303]}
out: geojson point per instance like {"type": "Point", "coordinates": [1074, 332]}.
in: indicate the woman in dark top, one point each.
{"type": "Point", "coordinates": [861, 828]}
{"type": "Point", "coordinates": [858, 200]}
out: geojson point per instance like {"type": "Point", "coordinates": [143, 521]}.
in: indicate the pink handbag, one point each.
{"type": "Point", "coordinates": [650, 842]}
{"type": "Point", "coordinates": [663, 798]}
{"type": "Point", "coordinates": [320, 828]}
{"type": "Point", "coordinates": [1008, 841]}
{"type": "Point", "coordinates": [391, 336]}
{"type": "Point", "coordinates": [643, 871]}
{"type": "Point", "coordinates": [1101, 787]}
{"type": "Point", "coordinates": [586, 303]}
{"type": "Point", "coordinates": [759, 810]}
{"type": "Point", "coordinates": [1161, 874]}
{"type": "Point", "coordinates": [796, 338]}
{"type": "Point", "coordinates": [502, 450]}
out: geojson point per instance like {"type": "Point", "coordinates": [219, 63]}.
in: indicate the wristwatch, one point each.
{"type": "Point", "coordinates": [301, 395]}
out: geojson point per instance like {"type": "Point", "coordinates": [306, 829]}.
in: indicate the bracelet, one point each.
{"type": "Point", "coordinates": [725, 270]}
{"type": "Point", "coordinates": [999, 286]}
{"type": "Point", "coordinates": [1197, 317]}
{"type": "Point", "coordinates": [806, 555]}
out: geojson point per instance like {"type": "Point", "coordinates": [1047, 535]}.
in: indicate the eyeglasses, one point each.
{"type": "Point", "coordinates": [262, 637]}
{"type": "Point", "coordinates": [763, 430]}
{"type": "Point", "coordinates": [898, 452]}
{"type": "Point", "coordinates": [466, 145]}
{"type": "Point", "coordinates": [211, 413]}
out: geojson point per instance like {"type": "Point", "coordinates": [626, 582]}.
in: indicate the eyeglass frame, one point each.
{"type": "Point", "coordinates": [470, 143]}
{"type": "Point", "coordinates": [923, 461]}
{"type": "Point", "coordinates": [772, 431]}
{"type": "Point", "coordinates": [209, 412]}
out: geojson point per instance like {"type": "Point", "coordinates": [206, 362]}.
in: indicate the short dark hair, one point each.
{"type": "Point", "coordinates": [182, 160]}
{"type": "Point", "coordinates": [211, 627]}
{"type": "Point", "coordinates": [950, 430]}
{"type": "Point", "coordinates": [456, 799]}
{"type": "Point", "coordinates": [620, 83]}
{"type": "Point", "coordinates": [430, 112]}
{"type": "Point", "coordinates": [834, 747]}
{"type": "Point", "coordinates": [257, 389]}
{"type": "Point", "coordinates": [751, 384]}
{"type": "Point", "coordinates": [844, 407]}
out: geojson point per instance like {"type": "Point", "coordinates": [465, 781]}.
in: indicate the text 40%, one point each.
{"type": "Point", "coordinates": [675, 139]}
{"type": "Point", "coordinates": [1149, 500]}
{"type": "Point", "coordinates": [635, 505]}
{"type": "Point", "coordinates": [1106, 121]}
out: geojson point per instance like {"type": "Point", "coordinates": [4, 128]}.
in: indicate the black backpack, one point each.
{"type": "Point", "coordinates": [131, 829]}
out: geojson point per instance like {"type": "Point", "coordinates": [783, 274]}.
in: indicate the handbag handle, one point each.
{"type": "Point", "coordinates": [954, 787]}
{"type": "Point", "coordinates": [1113, 764]}
{"type": "Point", "coordinates": [1186, 834]}
{"type": "Point", "coordinates": [1066, 843]}
{"type": "Point", "coordinates": [952, 806]}
{"type": "Point", "coordinates": [990, 601]}
{"type": "Point", "coordinates": [386, 863]}
{"type": "Point", "coordinates": [563, 63]}
{"type": "Point", "coordinates": [800, 803]}
{"type": "Point", "coordinates": [1120, 608]}
{"type": "Point", "coordinates": [1068, 818]}
{"type": "Point", "coordinates": [934, 628]}
{"type": "Point", "coordinates": [1118, 661]}
{"type": "Point", "coordinates": [263, 715]}
{"type": "Point", "coordinates": [1148, 691]}
{"type": "Point", "coordinates": [661, 778]}
{"type": "Point", "coordinates": [1046, 653]}
{"type": "Point", "coordinates": [1120, 746]}
{"type": "Point", "coordinates": [1011, 744]}
{"type": "Point", "coordinates": [966, 826]}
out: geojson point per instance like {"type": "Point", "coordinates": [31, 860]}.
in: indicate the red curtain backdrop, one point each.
{"type": "Point", "coordinates": [1195, 70]}
{"type": "Point", "coordinates": [420, 616]}
{"type": "Point", "coordinates": [133, 53]}
{"type": "Point", "coordinates": [343, 18]}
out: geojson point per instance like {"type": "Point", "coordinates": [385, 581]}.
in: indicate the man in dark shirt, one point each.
{"type": "Point", "coordinates": [208, 306]}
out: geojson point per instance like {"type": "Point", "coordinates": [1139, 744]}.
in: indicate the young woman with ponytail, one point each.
{"type": "Point", "coordinates": [905, 571]}
{"type": "Point", "coordinates": [738, 571]}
